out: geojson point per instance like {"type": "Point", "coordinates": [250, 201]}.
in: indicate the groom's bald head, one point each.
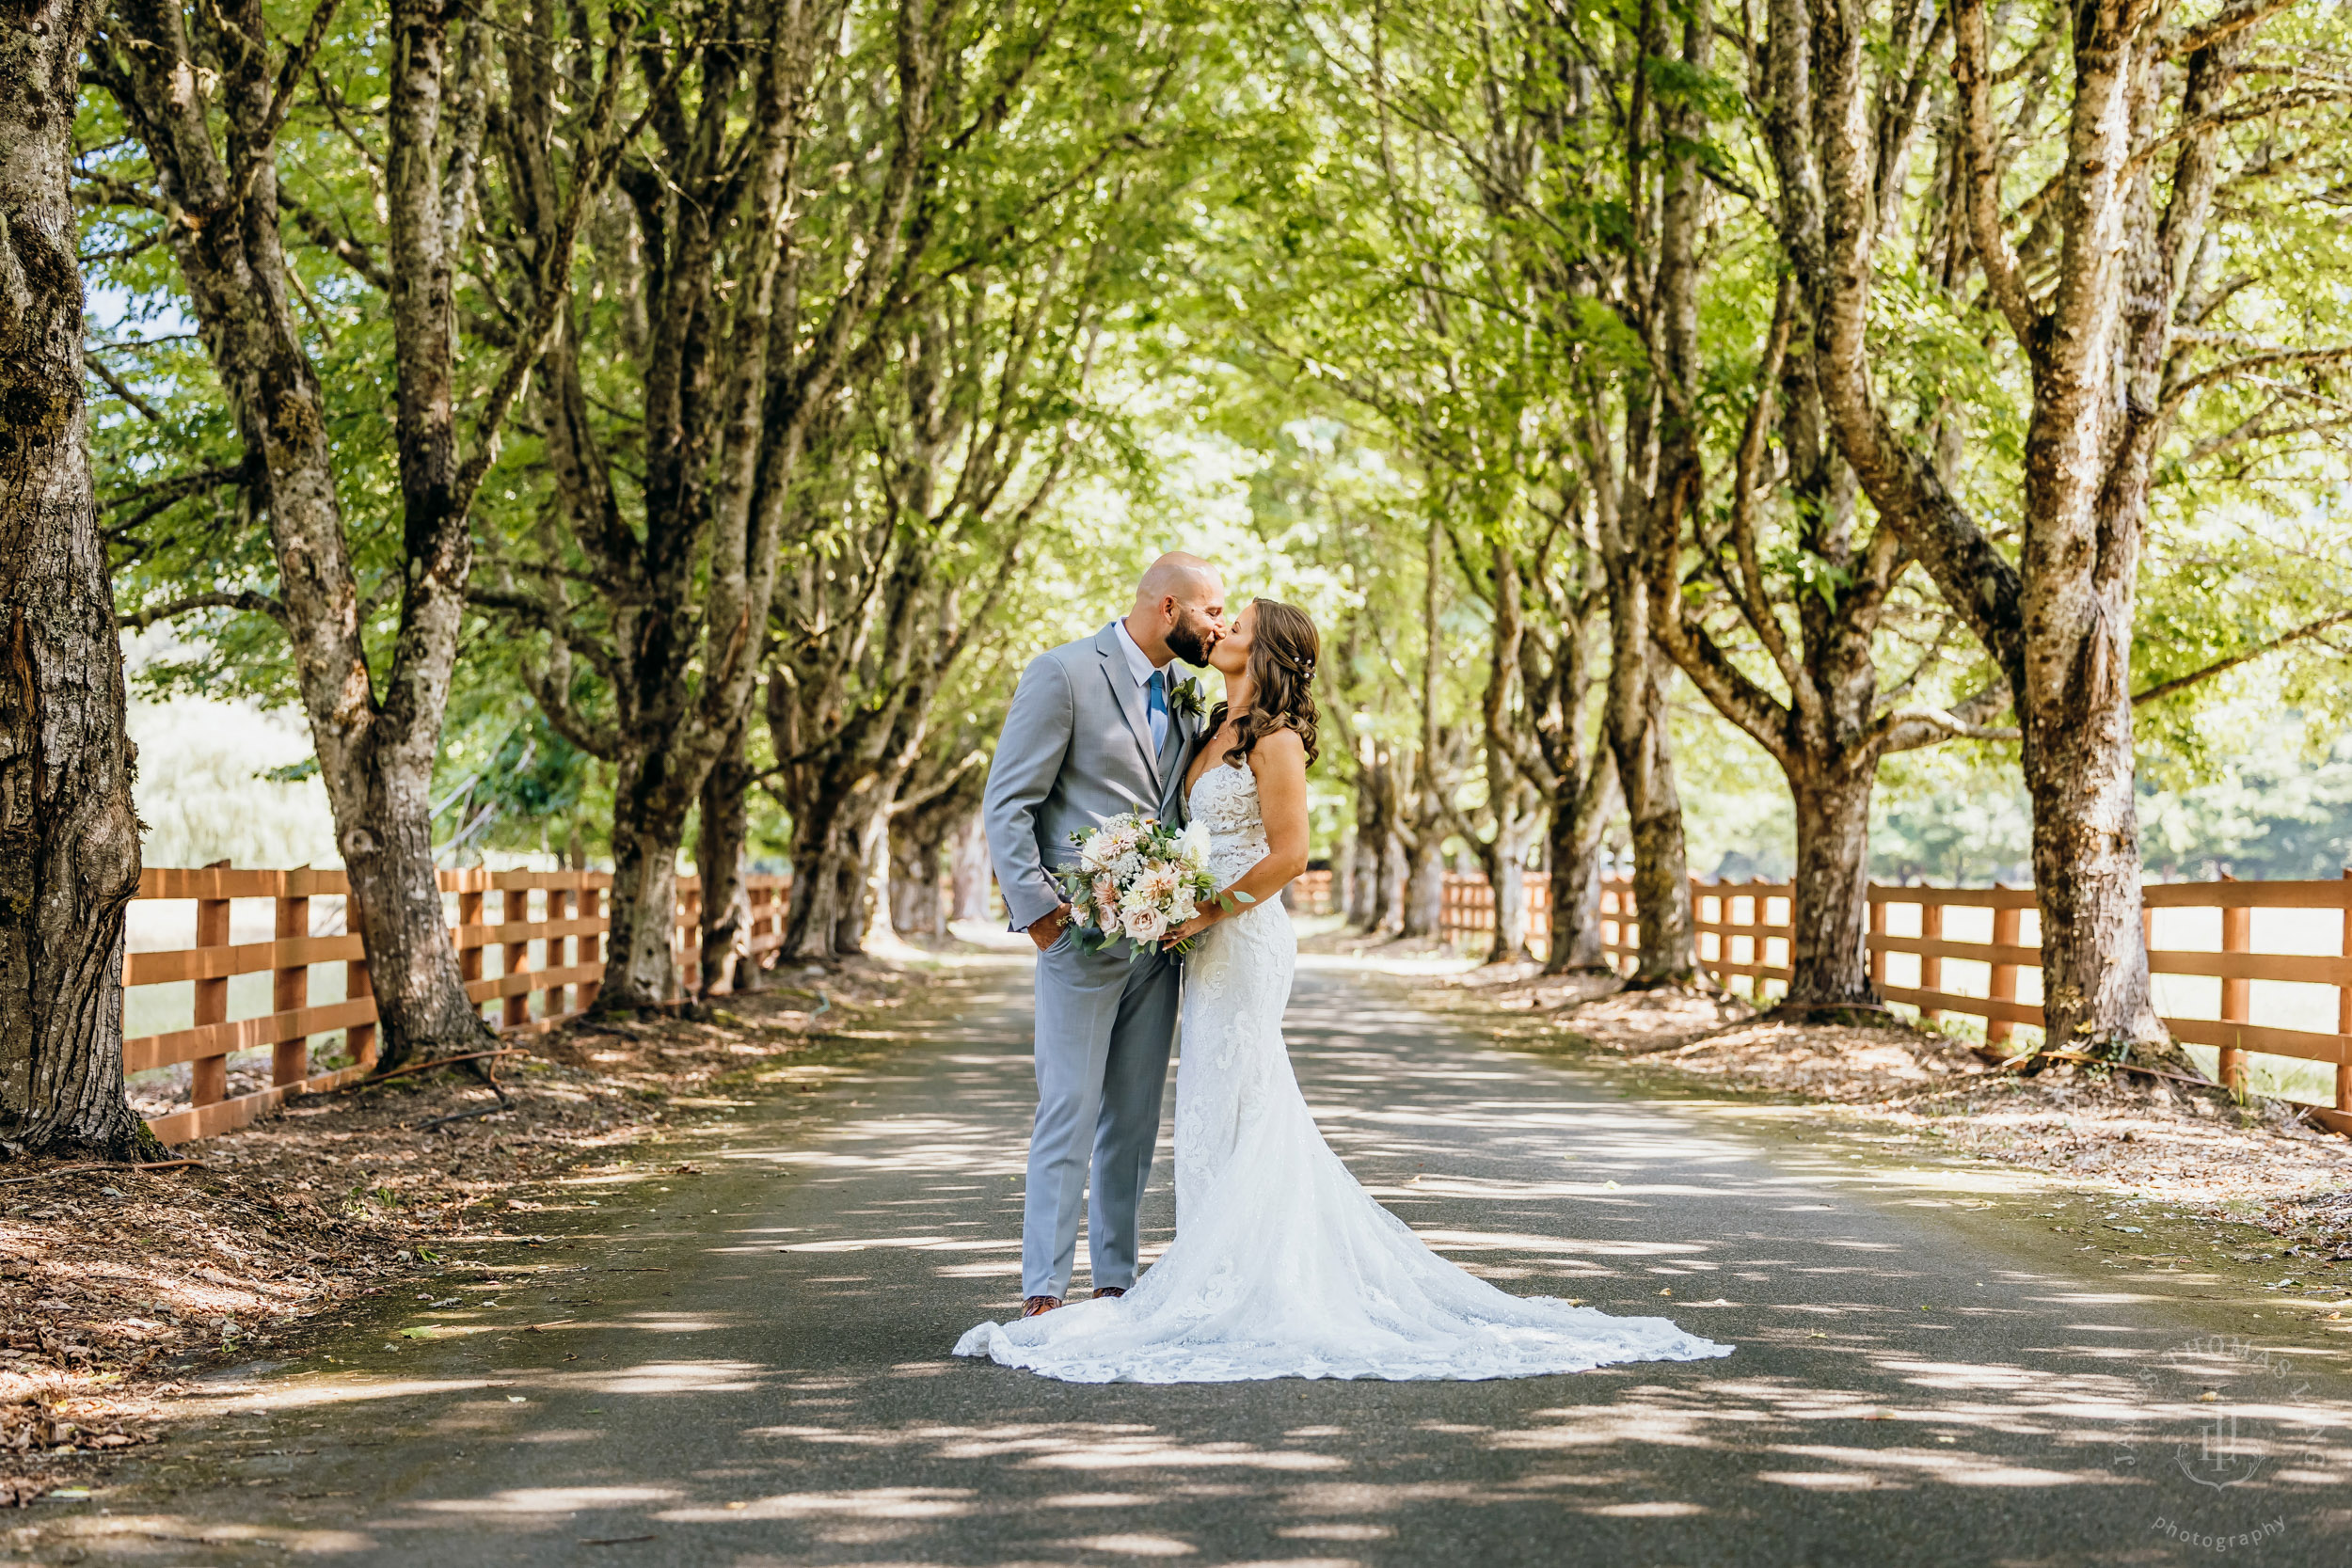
{"type": "Point", "coordinates": [1178, 576]}
{"type": "Point", "coordinates": [1179, 609]}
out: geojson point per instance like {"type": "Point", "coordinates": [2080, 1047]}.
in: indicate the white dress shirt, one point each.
{"type": "Point", "coordinates": [1139, 664]}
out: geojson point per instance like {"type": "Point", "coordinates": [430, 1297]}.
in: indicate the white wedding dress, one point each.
{"type": "Point", "coordinates": [1282, 1265]}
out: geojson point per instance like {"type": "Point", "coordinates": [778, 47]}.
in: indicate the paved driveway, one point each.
{"type": "Point", "coordinates": [749, 1366]}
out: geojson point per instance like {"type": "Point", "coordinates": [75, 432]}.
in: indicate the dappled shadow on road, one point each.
{"type": "Point", "coordinates": [748, 1368]}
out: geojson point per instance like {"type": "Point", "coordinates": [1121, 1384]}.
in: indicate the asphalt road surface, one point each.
{"type": "Point", "coordinates": [749, 1367]}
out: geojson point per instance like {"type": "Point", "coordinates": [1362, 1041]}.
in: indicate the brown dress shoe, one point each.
{"type": "Point", "coordinates": [1032, 1305]}
{"type": "Point", "coordinates": [1110, 1292]}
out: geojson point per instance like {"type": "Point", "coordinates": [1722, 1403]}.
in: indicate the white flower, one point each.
{"type": "Point", "coordinates": [1156, 885]}
{"type": "Point", "coordinates": [1098, 852]}
{"type": "Point", "coordinates": [1182, 906]}
{"type": "Point", "coordinates": [1126, 866]}
{"type": "Point", "coordinates": [1192, 845]}
{"type": "Point", "coordinates": [1146, 924]}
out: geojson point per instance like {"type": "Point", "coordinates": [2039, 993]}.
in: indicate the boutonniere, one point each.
{"type": "Point", "coordinates": [1184, 696]}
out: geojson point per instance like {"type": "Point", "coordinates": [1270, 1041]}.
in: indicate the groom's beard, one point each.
{"type": "Point", "coordinates": [1189, 645]}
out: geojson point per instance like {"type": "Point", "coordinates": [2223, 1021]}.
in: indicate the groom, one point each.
{"type": "Point", "coordinates": [1093, 733]}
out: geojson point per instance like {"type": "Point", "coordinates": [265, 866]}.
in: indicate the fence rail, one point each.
{"type": "Point", "coordinates": [1743, 929]}
{"type": "Point", "coordinates": [560, 912]}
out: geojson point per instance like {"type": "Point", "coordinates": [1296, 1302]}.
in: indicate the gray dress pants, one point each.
{"type": "Point", "coordinates": [1105, 1027]}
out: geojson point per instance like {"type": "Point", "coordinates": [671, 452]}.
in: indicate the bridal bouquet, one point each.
{"type": "Point", "coordinates": [1137, 880]}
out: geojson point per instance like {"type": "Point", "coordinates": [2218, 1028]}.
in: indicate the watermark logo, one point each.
{"type": "Point", "coordinates": [2224, 1455]}
{"type": "Point", "coordinates": [2207, 1542]}
{"type": "Point", "coordinates": [2224, 1417]}
{"type": "Point", "coordinates": [2241, 1390]}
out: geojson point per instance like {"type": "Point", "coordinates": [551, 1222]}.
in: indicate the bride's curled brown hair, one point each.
{"type": "Point", "coordinates": [1283, 648]}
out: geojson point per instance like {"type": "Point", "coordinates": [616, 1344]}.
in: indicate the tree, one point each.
{"type": "Point", "coordinates": [2111, 300]}
{"type": "Point", "coordinates": [977, 406]}
{"type": "Point", "coordinates": [207, 102]}
{"type": "Point", "coordinates": [739, 306]}
{"type": "Point", "coordinates": [937, 798]}
{"type": "Point", "coordinates": [1816, 621]}
{"type": "Point", "coordinates": [876, 621]}
{"type": "Point", "coordinates": [69, 838]}
{"type": "Point", "coordinates": [1550, 189]}
{"type": "Point", "coordinates": [1541, 668]}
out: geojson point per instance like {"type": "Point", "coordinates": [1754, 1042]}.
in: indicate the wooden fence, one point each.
{"type": "Point", "coordinates": [560, 912]}
{"type": "Point", "coordinates": [1743, 934]}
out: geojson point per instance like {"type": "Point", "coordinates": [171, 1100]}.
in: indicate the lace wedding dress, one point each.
{"type": "Point", "coordinates": [1283, 1266]}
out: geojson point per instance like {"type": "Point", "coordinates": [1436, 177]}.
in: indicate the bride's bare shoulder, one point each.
{"type": "Point", "coordinates": [1282, 751]}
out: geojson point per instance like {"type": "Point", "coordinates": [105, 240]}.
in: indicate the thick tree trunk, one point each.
{"type": "Point", "coordinates": [828, 882]}
{"type": "Point", "coordinates": [1829, 908]}
{"type": "Point", "coordinates": [1575, 866]}
{"type": "Point", "coordinates": [1367, 904]}
{"type": "Point", "coordinates": [1506, 864]}
{"type": "Point", "coordinates": [917, 910]}
{"type": "Point", "coordinates": [1667, 954]}
{"type": "Point", "coordinates": [1367, 878]}
{"type": "Point", "coordinates": [1424, 888]}
{"type": "Point", "coordinates": [972, 871]}
{"type": "Point", "coordinates": [2093, 311]}
{"type": "Point", "coordinates": [2077, 760]}
{"type": "Point", "coordinates": [869, 926]}
{"type": "Point", "coordinates": [69, 836]}
{"type": "Point", "coordinates": [375, 747]}
{"type": "Point", "coordinates": [639, 964]}
{"type": "Point", "coordinates": [1396, 882]}
{"type": "Point", "coordinates": [420, 1003]}
{"type": "Point", "coordinates": [719, 852]}
{"type": "Point", "coordinates": [921, 842]}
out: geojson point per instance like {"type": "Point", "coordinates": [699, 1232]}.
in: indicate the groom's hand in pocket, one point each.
{"type": "Point", "coordinates": [1048, 931]}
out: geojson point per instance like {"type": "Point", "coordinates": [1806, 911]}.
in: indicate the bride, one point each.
{"type": "Point", "coordinates": [1283, 1266]}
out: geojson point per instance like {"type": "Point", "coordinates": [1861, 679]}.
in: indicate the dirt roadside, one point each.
{"type": "Point", "coordinates": [119, 1286]}
{"type": "Point", "coordinates": [2149, 1173]}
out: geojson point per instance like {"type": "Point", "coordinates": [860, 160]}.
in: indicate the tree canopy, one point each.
{"type": "Point", "coordinates": [1793, 430]}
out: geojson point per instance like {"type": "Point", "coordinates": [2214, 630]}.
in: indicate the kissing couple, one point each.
{"type": "Point", "coordinates": [1282, 1265]}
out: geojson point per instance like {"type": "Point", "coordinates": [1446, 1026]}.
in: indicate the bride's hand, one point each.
{"type": "Point", "coordinates": [1193, 928]}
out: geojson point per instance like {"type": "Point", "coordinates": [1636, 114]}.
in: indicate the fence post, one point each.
{"type": "Point", "coordinates": [592, 908]}
{"type": "Point", "coordinates": [289, 991]}
{"type": "Point", "coordinates": [514, 907]}
{"type": "Point", "coordinates": [208, 1076]}
{"type": "Point", "coordinates": [2237, 995]}
{"type": "Point", "coordinates": [563, 953]}
{"type": "Point", "coordinates": [469, 942]}
{"type": "Point", "coordinates": [1726, 918]}
{"type": "Point", "coordinates": [2009, 925]}
{"type": "Point", "coordinates": [359, 1039]}
{"type": "Point", "coordinates": [1930, 965]}
{"type": "Point", "coordinates": [2344, 1010]}
{"type": "Point", "coordinates": [1878, 954]}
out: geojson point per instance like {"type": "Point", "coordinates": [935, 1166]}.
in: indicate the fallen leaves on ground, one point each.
{"type": "Point", "coordinates": [2257, 1162]}
{"type": "Point", "coordinates": [116, 1283]}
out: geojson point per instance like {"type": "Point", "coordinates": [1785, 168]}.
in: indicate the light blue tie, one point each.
{"type": "Point", "coordinates": [1155, 707]}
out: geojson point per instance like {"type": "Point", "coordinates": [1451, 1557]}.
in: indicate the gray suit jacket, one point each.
{"type": "Point", "coordinates": [1076, 750]}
